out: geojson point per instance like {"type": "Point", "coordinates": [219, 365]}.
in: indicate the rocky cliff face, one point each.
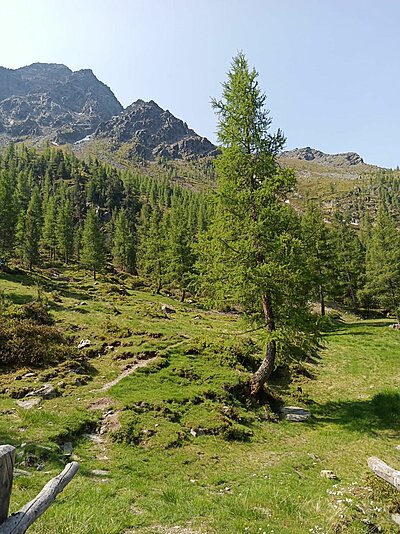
{"type": "Point", "coordinates": [311, 154]}
{"type": "Point", "coordinates": [153, 132]}
{"type": "Point", "coordinates": [49, 100]}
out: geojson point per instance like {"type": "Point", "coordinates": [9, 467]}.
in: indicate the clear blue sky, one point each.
{"type": "Point", "coordinates": [330, 68]}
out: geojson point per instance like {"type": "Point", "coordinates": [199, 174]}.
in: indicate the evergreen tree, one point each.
{"type": "Point", "coordinates": [31, 226]}
{"type": "Point", "coordinates": [252, 254]}
{"type": "Point", "coordinates": [383, 263]}
{"type": "Point", "coordinates": [93, 252]}
{"type": "Point", "coordinates": [65, 230]}
{"type": "Point", "coordinates": [49, 237]}
{"type": "Point", "coordinates": [152, 246]}
{"type": "Point", "coordinates": [320, 255]}
{"type": "Point", "coordinates": [180, 252]}
{"type": "Point", "coordinates": [123, 244]}
{"type": "Point", "coordinates": [349, 264]}
{"type": "Point", "coordinates": [8, 212]}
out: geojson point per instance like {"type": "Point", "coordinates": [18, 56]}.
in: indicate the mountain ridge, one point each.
{"type": "Point", "coordinates": [50, 102]}
{"type": "Point", "coordinates": [317, 156]}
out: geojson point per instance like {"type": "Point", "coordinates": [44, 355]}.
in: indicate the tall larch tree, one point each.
{"type": "Point", "coordinates": [32, 230]}
{"type": "Point", "coordinates": [93, 246]}
{"type": "Point", "coordinates": [252, 254]}
{"type": "Point", "coordinates": [383, 263]}
{"type": "Point", "coordinates": [123, 244]}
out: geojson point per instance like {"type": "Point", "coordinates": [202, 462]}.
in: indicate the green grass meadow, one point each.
{"type": "Point", "coordinates": [190, 454]}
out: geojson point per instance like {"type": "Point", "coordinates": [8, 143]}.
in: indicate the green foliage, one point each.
{"type": "Point", "coordinates": [26, 342]}
{"type": "Point", "coordinates": [65, 229]}
{"type": "Point", "coordinates": [29, 229]}
{"type": "Point", "coordinates": [92, 255]}
{"type": "Point", "coordinates": [252, 254]}
{"type": "Point", "coordinates": [123, 247]}
{"type": "Point", "coordinates": [383, 263]}
{"type": "Point", "coordinates": [8, 213]}
{"type": "Point", "coordinates": [317, 240]}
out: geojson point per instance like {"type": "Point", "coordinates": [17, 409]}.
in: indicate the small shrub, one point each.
{"type": "Point", "coordinates": [35, 311]}
{"type": "Point", "coordinates": [24, 342]}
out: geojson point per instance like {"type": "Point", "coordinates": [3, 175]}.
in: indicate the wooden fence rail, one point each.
{"type": "Point", "coordinates": [18, 522]}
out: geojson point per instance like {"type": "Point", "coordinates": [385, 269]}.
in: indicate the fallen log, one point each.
{"type": "Point", "coordinates": [21, 520]}
{"type": "Point", "coordinates": [384, 471]}
{"type": "Point", "coordinates": [7, 460]}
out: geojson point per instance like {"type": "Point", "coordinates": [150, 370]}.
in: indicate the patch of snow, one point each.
{"type": "Point", "coordinates": [87, 138]}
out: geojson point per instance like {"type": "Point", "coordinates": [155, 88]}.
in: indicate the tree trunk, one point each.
{"type": "Point", "coordinates": [183, 295]}
{"type": "Point", "coordinates": [322, 299]}
{"type": "Point", "coordinates": [159, 286]}
{"type": "Point", "coordinates": [94, 272]}
{"type": "Point", "coordinates": [395, 306]}
{"type": "Point", "coordinates": [262, 374]}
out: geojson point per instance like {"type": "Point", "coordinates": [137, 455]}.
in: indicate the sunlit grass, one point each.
{"type": "Point", "coordinates": [268, 481]}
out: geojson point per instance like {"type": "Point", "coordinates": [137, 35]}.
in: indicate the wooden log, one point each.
{"type": "Point", "coordinates": [384, 471]}
{"type": "Point", "coordinates": [21, 520]}
{"type": "Point", "coordinates": [7, 459]}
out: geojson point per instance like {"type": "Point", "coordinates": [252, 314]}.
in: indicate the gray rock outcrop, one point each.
{"type": "Point", "coordinates": [50, 100]}
{"type": "Point", "coordinates": [154, 133]}
{"type": "Point", "coordinates": [311, 154]}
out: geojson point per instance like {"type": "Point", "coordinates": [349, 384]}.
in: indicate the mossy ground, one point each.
{"type": "Point", "coordinates": [191, 453]}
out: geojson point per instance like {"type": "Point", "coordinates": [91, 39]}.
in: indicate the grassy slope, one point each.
{"type": "Point", "coordinates": [270, 483]}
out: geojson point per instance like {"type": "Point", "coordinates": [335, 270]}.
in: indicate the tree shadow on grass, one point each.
{"type": "Point", "coordinates": [350, 329]}
{"type": "Point", "coordinates": [381, 412]}
{"type": "Point", "coordinates": [17, 298]}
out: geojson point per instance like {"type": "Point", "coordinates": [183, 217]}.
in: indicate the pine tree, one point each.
{"type": "Point", "coordinates": [93, 249]}
{"type": "Point", "coordinates": [320, 254]}
{"type": "Point", "coordinates": [349, 260]}
{"type": "Point", "coordinates": [383, 263]}
{"type": "Point", "coordinates": [152, 245]}
{"type": "Point", "coordinates": [8, 213]}
{"type": "Point", "coordinates": [65, 230]}
{"type": "Point", "coordinates": [252, 254]}
{"type": "Point", "coordinates": [31, 226]}
{"type": "Point", "coordinates": [123, 244]}
{"type": "Point", "coordinates": [49, 237]}
{"type": "Point", "coordinates": [180, 252]}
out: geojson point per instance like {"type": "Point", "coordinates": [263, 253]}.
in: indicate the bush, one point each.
{"type": "Point", "coordinates": [24, 342]}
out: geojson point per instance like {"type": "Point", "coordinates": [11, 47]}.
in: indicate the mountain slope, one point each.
{"type": "Point", "coordinates": [51, 101]}
{"type": "Point", "coordinates": [154, 133]}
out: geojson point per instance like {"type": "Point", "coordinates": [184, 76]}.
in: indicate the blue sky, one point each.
{"type": "Point", "coordinates": [330, 68]}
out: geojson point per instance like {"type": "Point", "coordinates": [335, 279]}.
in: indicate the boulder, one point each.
{"type": "Point", "coordinates": [30, 403]}
{"type": "Point", "coordinates": [327, 473]}
{"type": "Point", "coordinates": [295, 414]}
{"type": "Point", "coordinates": [84, 343]}
{"type": "Point", "coordinates": [167, 309]}
{"type": "Point", "coordinates": [46, 392]}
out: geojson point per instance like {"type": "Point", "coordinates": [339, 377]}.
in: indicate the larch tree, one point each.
{"type": "Point", "coordinates": [65, 229]}
{"type": "Point", "coordinates": [179, 246]}
{"type": "Point", "coordinates": [320, 252]}
{"type": "Point", "coordinates": [152, 246]}
{"type": "Point", "coordinates": [32, 228]}
{"type": "Point", "coordinates": [252, 254]}
{"type": "Point", "coordinates": [123, 244]}
{"type": "Point", "coordinates": [383, 263]}
{"type": "Point", "coordinates": [8, 212]}
{"type": "Point", "coordinates": [93, 246]}
{"type": "Point", "coordinates": [49, 235]}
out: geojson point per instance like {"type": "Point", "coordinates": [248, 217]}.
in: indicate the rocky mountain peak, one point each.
{"type": "Point", "coordinates": [311, 154]}
{"type": "Point", "coordinates": [51, 101]}
{"type": "Point", "coordinates": [154, 132]}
